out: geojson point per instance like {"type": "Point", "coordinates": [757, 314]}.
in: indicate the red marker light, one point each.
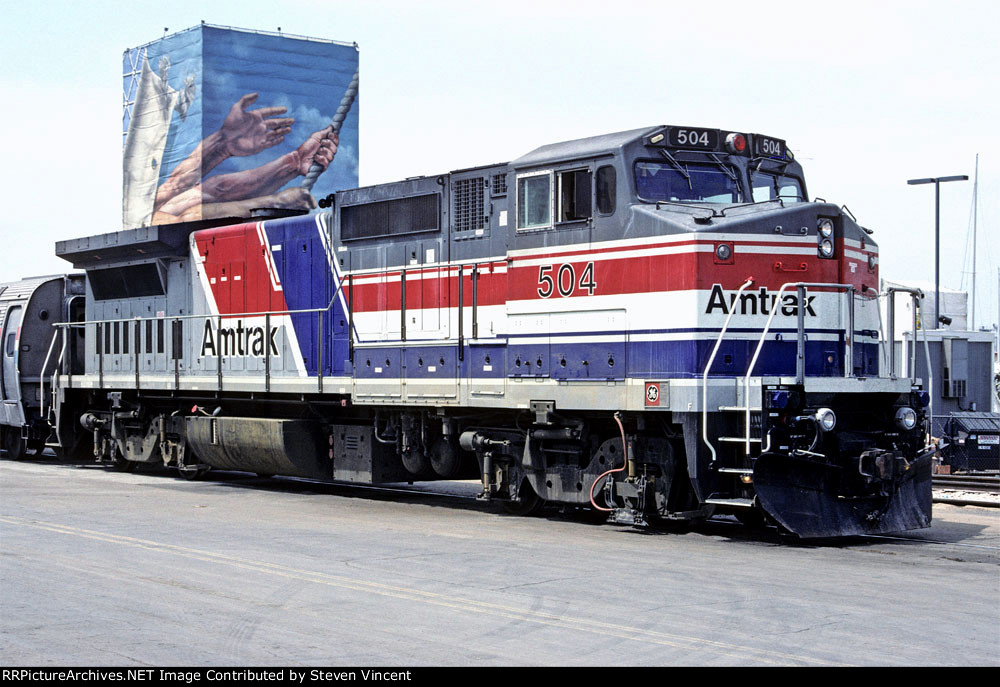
{"type": "Point", "coordinates": [736, 143]}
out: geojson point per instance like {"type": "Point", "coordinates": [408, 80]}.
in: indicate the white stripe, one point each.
{"type": "Point", "coordinates": [863, 257]}
{"type": "Point", "coordinates": [272, 269]}
{"type": "Point", "coordinates": [855, 243]}
{"type": "Point", "coordinates": [771, 251]}
{"type": "Point", "coordinates": [674, 238]}
{"type": "Point", "coordinates": [199, 265]}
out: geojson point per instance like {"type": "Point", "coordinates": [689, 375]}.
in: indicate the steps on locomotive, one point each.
{"type": "Point", "coordinates": [744, 437]}
{"type": "Point", "coordinates": [730, 502]}
{"type": "Point", "coordinates": [736, 456]}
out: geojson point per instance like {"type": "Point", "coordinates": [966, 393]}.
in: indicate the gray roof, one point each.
{"type": "Point", "coordinates": [581, 147]}
{"type": "Point", "coordinates": [20, 290]}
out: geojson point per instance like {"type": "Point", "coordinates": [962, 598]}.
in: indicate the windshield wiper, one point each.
{"type": "Point", "coordinates": [726, 169]}
{"type": "Point", "coordinates": [678, 166]}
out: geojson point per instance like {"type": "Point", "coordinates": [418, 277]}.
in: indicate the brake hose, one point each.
{"type": "Point", "coordinates": [612, 470]}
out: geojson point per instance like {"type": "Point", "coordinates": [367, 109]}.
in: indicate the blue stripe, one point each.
{"type": "Point", "coordinates": [610, 361]}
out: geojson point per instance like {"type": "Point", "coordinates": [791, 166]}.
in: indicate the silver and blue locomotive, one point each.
{"type": "Point", "coordinates": [655, 323]}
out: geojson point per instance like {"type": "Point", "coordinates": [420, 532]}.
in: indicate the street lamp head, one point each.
{"type": "Point", "coordinates": [937, 180]}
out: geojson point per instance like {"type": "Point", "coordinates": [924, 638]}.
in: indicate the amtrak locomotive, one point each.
{"type": "Point", "coordinates": [654, 323]}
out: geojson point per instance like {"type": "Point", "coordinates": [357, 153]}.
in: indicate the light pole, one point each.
{"type": "Point", "coordinates": [937, 181]}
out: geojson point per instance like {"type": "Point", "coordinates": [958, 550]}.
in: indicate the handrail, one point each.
{"type": "Point", "coordinates": [800, 362]}
{"type": "Point", "coordinates": [930, 382]}
{"type": "Point", "coordinates": [333, 300]}
{"type": "Point", "coordinates": [53, 380]}
{"type": "Point", "coordinates": [266, 314]}
{"type": "Point", "coordinates": [915, 293]}
{"type": "Point", "coordinates": [704, 378]}
{"type": "Point", "coordinates": [41, 377]}
{"type": "Point", "coordinates": [201, 316]}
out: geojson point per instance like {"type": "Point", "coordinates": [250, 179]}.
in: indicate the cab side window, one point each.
{"type": "Point", "coordinates": [575, 195]}
{"type": "Point", "coordinates": [534, 200]}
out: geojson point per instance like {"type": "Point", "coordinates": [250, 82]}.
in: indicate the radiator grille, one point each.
{"type": "Point", "coordinates": [390, 217]}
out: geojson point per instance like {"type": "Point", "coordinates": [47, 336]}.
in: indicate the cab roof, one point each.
{"type": "Point", "coordinates": [592, 146]}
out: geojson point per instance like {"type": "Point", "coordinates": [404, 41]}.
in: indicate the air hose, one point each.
{"type": "Point", "coordinates": [621, 427]}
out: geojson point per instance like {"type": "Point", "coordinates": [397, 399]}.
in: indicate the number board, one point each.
{"type": "Point", "coordinates": [688, 137]}
{"type": "Point", "coordinates": [765, 146]}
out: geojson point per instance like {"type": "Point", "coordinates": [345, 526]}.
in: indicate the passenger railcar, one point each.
{"type": "Point", "coordinates": [28, 309]}
{"type": "Point", "coordinates": [655, 322]}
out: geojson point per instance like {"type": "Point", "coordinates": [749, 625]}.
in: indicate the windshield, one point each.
{"type": "Point", "coordinates": [768, 186]}
{"type": "Point", "coordinates": [686, 182]}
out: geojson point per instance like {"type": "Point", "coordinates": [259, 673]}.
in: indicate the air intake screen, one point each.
{"type": "Point", "coordinates": [390, 217]}
{"type": "Point", "coordinates": [499, 185]}
{"type": "Point", "coordinates": [468, 204]}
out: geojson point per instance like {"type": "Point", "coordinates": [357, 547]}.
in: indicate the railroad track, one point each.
{"type": "Point", "coordinates": [987, 483]}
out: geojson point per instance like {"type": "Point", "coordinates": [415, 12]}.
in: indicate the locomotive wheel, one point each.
{"type": "Point", "coordinates": [445, 459]}
{"type": "Point", "coordinates": [416, 463]}
{"type": "Point", "coordinates": [530, 503]}
{"type": "Point", "coordinates": [13, 444]}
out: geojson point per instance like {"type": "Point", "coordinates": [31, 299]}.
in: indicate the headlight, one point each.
{"type": "Point", "coordinates": [872, 261]}
{"type": "Point", "coordinates": [826, 248]}
{"type": "Point", "coordinates": [826, 419]}
{"type": "Point", "coordinates": [825, 228]}
{"type": "Point", "coordinates": [723, 251]}
{"type": "Point", "coordinates": [906, 418]}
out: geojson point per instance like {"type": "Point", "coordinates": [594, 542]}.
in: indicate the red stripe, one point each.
{"type": "Point", "coordinates": [645, 274]}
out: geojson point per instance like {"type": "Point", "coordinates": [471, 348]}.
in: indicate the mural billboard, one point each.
{"type": "Point", "coordinates": [220, 121]}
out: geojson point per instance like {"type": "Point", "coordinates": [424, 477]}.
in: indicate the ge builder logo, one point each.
{"type": "Point", "coordinates": [652, 393]}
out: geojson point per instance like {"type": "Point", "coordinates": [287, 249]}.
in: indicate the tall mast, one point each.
{"type": "Point", "coordinates": [975, 209]}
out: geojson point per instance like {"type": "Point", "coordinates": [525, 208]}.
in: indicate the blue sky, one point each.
{"type": "Point", "coordinates": [867, 94]}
